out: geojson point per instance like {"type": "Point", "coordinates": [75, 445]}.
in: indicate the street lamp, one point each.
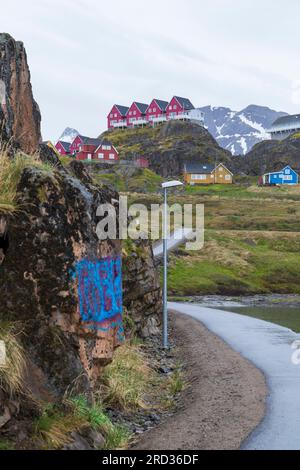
{"type": "Point", "coordinates": [167, 185]}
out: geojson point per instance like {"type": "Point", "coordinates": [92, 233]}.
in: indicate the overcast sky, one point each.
{"type": "Point", "coordinates": [86, 55]}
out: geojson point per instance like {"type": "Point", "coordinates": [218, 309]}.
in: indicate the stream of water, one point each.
{"type": "Point", "coordinates": [283, 310]}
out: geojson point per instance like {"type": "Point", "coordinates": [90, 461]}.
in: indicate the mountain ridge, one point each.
{"type": "Point", "coordinates": [239, 131]}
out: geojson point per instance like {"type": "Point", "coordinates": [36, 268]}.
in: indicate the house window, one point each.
{"type": "Point", "coordinates": [227, 177]}
{"type": "Point", "coordinates": [288, 177]}
{"type": "Point", "coordinates": [130, 113]}
{"type": "Point", "coordinates": [170, 108]}
{"type": "Point", "coordinates": [134, 113]}
{"type": "Point", "coordinates": [116, 115]}
{"type": "Point", "coordinates": [150, 110]}
{"type": "Point", "coordinates": [101, 155]}
{"type": "Point", "coordinates": [89, 156]}
{"type": "Point", "coordinates": [154, 110]}
{"type": "Point", "coordinates": [111, 156]}
{"type": "Point", "coordinates": [111, 115]}
{"type": "Point", "coordinates": [175, 106]}
{"type": "Point", "coordinates": [198, 177]}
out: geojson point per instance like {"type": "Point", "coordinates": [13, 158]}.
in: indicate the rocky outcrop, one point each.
{"type": "Point", "coordinates": [142, 293]}
{"type": "Point", "coordinates": [59, 280]}
{"type": "Point", "coordinates": [169, 146]}
{"type": "Point", "coordinates": [19, 114]}
{"type": "Point", "coordinates": [271, 155]}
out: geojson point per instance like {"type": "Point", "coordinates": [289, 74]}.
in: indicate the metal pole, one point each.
{"type": "Point", "coordinates": [165, 299]}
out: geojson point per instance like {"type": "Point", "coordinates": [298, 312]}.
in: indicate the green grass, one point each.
{"type": "Point", "coordinates": [238, 263]}
{"type": "Point", "coordinates": [10, 173]}
{"type": "Point", "coordinates": [127, 379]}
{"type": "Point", "coordinates": [143, 180]}
{"type": "Point", "coordinates": [245, 191]}
{"type": "Point", "coordinates": [57, 423]}
{"type": "Point", "coordinates": [5, 444]}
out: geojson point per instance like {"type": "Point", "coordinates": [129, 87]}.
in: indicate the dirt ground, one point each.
{"type": "Point", "coordinates": [223, 402]}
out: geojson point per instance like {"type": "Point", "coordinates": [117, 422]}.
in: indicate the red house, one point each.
{"type": "Point", "coordinates": [106, 152]}
{"type": "Point", "coordinates": [142, 162]}
{"type": "Point", "coordinates": [86, 147]}
{"type": "Point", "coordinates": [83, 143]}
{"type": "Point", "coordinates": [156, 111]}
{"type": "Point", "coordinates": [117, 117]}
{"type": "Point", "coordinates": [63, 148]}
{"type": "Point", "coordinates": [136, 114]}
{"type": "Point", "coordinates": [178, 106]}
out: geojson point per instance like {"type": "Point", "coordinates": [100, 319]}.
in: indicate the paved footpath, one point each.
{"type": "Point", "coordinates": [268, 347]}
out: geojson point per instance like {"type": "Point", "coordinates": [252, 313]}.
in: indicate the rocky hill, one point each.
{"type": "Point", "coordinates": [271, 155]}
{"type": "Point", "coordinates": [168, 146]}
{"type": "Point", "coordinates": [20, 116]}
{"type": "Point", "coordinates": [239, 131]}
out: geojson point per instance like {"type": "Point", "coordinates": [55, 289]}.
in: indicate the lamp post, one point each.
{"type": "Point", "coordinates": [166, 186]}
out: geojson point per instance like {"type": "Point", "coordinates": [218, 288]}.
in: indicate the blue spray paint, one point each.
{"type": "Point", "coordinates": [100, 293]}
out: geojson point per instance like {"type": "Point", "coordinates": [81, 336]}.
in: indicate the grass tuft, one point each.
{"type": "Point", "coordinates": [127, 378]}
{"type": "Point", "coordinates": [58, 422]}
{"type": "Point", "coordinates": [10, 172]}
{"type": "Point", "coordinates": [12, 372]}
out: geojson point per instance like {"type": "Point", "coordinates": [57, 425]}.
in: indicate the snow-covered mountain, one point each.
{"type": "Point", "coordinates": [239, 131]}
{"type": "Point", "coordinates": [69, 135]}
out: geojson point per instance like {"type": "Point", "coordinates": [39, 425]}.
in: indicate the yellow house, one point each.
{"type": "Point", "coordinates": [52, 146]}
{"type": "Point", "coordinates": [197, 173]}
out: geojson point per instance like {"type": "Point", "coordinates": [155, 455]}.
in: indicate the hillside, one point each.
{"type": "Point", "coordinates": [239, 131]}
{"type": "Point", "coordinates": [272, 155]}
{"type": "Point", "coordinates": [168, 146]}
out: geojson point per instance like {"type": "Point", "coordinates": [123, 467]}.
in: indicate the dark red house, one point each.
{"type": "Point", "coordinates": [177, 106]}
{"type": "Point", "coordinates": [63, 148]}
{"type": "Point", "coordinates": [106, 152]}
{"type": "Point", "coordinates": [117, 117]}
{"type": "Point", "coordinates": [82, 143]}
{"type": "Point", "coordinates": [156, 111]}
{"type": "Point", "coordinates": [136, 114]}
{"type": "Point", "coordinates": [142, 162]}
{"type": "Point", "coordinates": [86, 147]}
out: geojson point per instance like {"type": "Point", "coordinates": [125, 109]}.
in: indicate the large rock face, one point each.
{"type": "Point", "coordinates": [19, 114]}
{"type": "Point", "coordinates": [59, 280]}
{"type": "Point", "coordinates": [142, 292]}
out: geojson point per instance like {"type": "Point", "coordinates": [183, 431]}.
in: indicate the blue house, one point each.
{"type": "Point", "coordinates": [285, 176]}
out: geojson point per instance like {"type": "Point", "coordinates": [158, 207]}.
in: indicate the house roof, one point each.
{"type": "Point", "coordinates": [66, 145]}
{"type": "Point", "coordinates": [287, 120]}
{"type": "Point", "coordinates": [162, 104]}
{"type": "Point", "coordinates": [205, 169]}
{"type": "Point", "coordinates": [224, 166]}
{"type": "Point", "coordinates": [90, 141]}
{"type": "Point", "coordinates": [141, 106]}
{"type": "Point", "coordinates": [122, 109]}
{"type": "Point", "coordinates": [185, 103]}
